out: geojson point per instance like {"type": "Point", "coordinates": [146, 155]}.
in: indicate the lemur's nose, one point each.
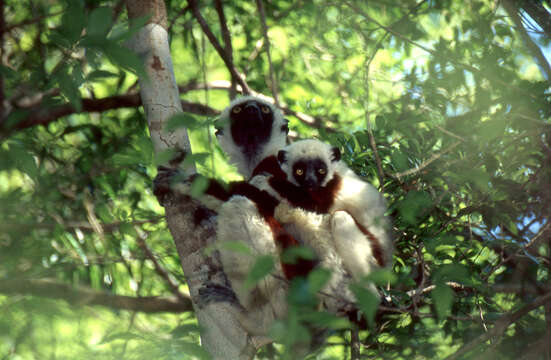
{"type": "Point", "coordinates": [251, 108]}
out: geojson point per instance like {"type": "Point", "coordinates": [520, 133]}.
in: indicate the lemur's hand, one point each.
{"type": "Point", "coordinates": [169, 182]}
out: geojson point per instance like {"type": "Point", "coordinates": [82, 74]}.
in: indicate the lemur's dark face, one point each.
{"type": "Point", "coordinates": [310, 173]}
{"type": "Point", "coordinates": [251, 125]}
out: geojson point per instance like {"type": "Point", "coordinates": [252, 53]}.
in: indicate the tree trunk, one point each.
{"type": "Point", "coordinates": [221, 334]}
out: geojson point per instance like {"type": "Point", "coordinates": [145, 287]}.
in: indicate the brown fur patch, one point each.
{"type": "Point", "coordinates": [269, 165]}
{"type": "Point", "coordinates": [375, 243]}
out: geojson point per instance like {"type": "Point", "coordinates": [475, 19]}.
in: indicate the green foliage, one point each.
{"type": "Point", "coordinates": [447, 113]}
{"type": "Point", "coordinates": [262, 267]}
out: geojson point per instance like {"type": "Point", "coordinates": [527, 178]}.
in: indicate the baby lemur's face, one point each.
{"type": "Point", "coordinates": [310, 173]}
{"type": "Point", "coordinates": [309, 164]}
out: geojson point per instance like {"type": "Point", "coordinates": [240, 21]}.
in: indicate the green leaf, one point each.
{"type": "Point", "coordinates": [123, 32]}
{"type": "Point", "coordinates": [381, 277]}
{"type": "Point", "coordinates": [294, 254]}
{"type": "Point", "coordinates": [73, 21]}
{"type": "Point", "coordinates": [325, 320]}
{"type": "Point", "coordinates": [367, 300]}
{"type": "Point", "coordinates": [301, 293]}
{"type": "Point", "coordinates": [120, 55]}
{"type": "Point", "coordinates": [442, 297]}
{"type": "Point", "coordinates": [145, 147]}
{"type": "Point", "coordinates": [128, 158]}
{"type": "Point", "coordinates": [99, 74]}
{"type": "Point", "coordinates": [263, 266]}
{"type": "Point", "coordinates": [452, 272]}
{"type": "Point", "coordinates": [194, 159]}
{"type": "Point", "coordinates": [182, 120]}
{"type": "Point", "coordinates": [69, 88]}
{"type": "Point", "coordinates": [199, 186]}
{"type": "Point", "coordinates": [99, 21]}
{"type": "Point", "coordinates": [400, 160]}
{"type": "Point", "coordinates": [120, 336]}
{"type": "Point", "coordinates": [317, 279]}
{"type": "Point", "coordinates": [164, 157]}
{"type": "Point", "coordinates": [194, 350]}
{"type": "Point", "coordinates": [414, 206]}
{"type": "Point", "coordinates": [236, 246]}
{"type": "Point", "coordinates": [7, 73]}
{"type": "Point", "coordinates": [184, 330]}
{"type": "Point", "coordinates": [24, 161]}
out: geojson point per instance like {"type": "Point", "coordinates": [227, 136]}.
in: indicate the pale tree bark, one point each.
{"type": "Point", "coordinates": [221, 334]}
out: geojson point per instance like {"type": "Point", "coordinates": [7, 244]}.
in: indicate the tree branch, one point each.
{"type": "Point", "coordinates": [501, 325]}
{"type": "Point", "coordinates": [222, 335]}
{"type": "Point", "coordinates": [159, 268]}
{"type": "Point", "coordinates": [273, 80]}
{"type": "Point", "coordinates": [431, 51]}
{"type": "Point", "coordinates": [49, 288]}
{"type": "Point", "coordinates": [2, 27]}
{"type": "Point", "coordinates": [512, 10]}
{"type": "Point", "coordinates": [228, 49]}
{"type": "Point", "coordinates": [42, 114]}
{"type": "Point", "coordinates": [214, 42]}
{"type": "Point", "coordinates": [539, 14]}
{"type": "Point", "coordinates": [425, 163]}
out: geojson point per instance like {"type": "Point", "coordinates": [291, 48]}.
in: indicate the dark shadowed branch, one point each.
{"type": "Point", "coordinates": [42, 114]}
{"type": "Point", "coordinates": [53, 289]}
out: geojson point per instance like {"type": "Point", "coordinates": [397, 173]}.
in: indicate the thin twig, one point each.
{"type": "Point", "coordinates": [273, 79]}
{"type": "Point", "coordinates": [354, 344]}
{"type": "Point", "coordinates": [158, 267]}
{"type": "Point", "coordinates": [425, 163]}
{"type": "Point", "coordinates": [216, 44]}
{"type": "Point", "coordinates": [373, 144]}
{"type": "Point", "coordinates": [447, 132]}
{"type": "Point", "coordinates": [2, 26]}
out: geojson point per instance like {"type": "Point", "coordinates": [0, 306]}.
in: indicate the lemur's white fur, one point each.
{"type": "Point", "coordinates": [239, 221]}
{"type": "Point", "coordinates": [334, 236]}
{"type": "Point", "coordinates": [356, 199]}
{"type": "Point", "coordinates": [277, 140]}
{"type": "Point", "coordinates": [314, 231]}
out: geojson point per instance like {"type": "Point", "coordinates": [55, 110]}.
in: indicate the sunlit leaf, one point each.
{"type": "Point", "coordinates": [442, 296]}
{"type": "Point", "coordinates": [262, 267]}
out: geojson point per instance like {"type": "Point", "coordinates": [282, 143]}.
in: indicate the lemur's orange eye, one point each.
{"type": "Point", "coordinates": [265, 109]}
{"type": "Point", "coordinates": [322, 171]}
{"type": "Point", "coordinates": [236, 109]}
{"type": "Point", "coordinates": [299, 172]}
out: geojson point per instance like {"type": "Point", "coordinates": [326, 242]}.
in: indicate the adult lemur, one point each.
{"type": "Point", "coordinates": [252, 133]}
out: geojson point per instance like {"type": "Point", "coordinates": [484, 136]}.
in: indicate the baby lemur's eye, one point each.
{"type": "Point", "coordinates": [322, 171]}
{"type": "Point", "coordinates": [299, 171]}
{"type": "Point", "coordinates": [236, 110]}
{"type": "Point", "coordinates": [265, 109]}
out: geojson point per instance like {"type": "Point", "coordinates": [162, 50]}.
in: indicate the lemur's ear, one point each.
{"type": "Point", "coordinates": [335, 154]}
{"type": "Point", "coordinates": [282, 157]}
